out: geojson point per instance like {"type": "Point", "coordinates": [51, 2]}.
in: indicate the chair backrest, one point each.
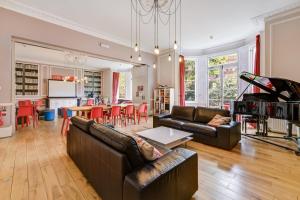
{"type": "Point", "coordinates": [142, 108]}
{"type": "Point", "coordinates": [25, 111]}
{"type": "Point", "coordinates": [25, 103]}
{"type": "Point", "coordinates": [115, 111]}
{"type": "Point", "coordinates": [65, 113]}
{"type": "Point", "coordinates": [90, 102]}
{"type": "Point", "coordinates": [129, 109]}
{"type": "Point", "coordinates": [97, 112]}
{"type": "Point", "coordinates": [38, 102]}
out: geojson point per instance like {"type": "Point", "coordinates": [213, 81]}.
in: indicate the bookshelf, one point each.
{"type": "Point", "coordinates": [163, 100]}
{"type": "Point", "coordinates": [27, 79]}
{"type": "Point", "coordinates": [93, 83]}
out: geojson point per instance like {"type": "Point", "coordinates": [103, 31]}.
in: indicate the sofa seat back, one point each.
{"type": "Point", "coordinates": [183, 113]}
{"type": "Point", "coordinates": [204, 115]}
{"type": "Point", "coordinates": [104, 167]}
{"type": "Point", "coordinates": [120, 142]}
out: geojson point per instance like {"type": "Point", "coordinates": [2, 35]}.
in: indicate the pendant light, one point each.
{"type": "Point", "coordinates": [175, 42]}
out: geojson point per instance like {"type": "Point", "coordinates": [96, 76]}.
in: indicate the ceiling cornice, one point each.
{"type": "Point", "coordinates": [261, 19]}
{"type": "Point", "coordinates": [54, 19]}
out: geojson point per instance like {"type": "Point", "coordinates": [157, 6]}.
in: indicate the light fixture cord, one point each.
{"type": "Point", "coordinates": [175, 20]}
{"type": "Point", "coordinates": [131, 28]}
{"type": "Point", "coordinates": [140, 32]}
{"type": "Point", "coordinates": [169, 35]}
{"type": "Point", "coordinates": [180, 26]}
{"type": "Point", "coordinates": [157, 23]}
{"type": "Point", "coordinates": [154, 26]}
{"type": "Point", "coordinates": [136, 23]}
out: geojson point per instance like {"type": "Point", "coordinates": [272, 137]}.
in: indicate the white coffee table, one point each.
{"type": "Point", "coordinates": [166, 137]}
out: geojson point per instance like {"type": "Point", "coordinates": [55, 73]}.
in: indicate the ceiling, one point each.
{"type": "Point", "coordinates": [205, 23]}
{"type": "Point", "coordinates": [29, 53]}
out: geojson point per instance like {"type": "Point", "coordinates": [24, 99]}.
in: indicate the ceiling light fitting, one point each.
{"type": "Point", "coordinates": [156, 12]}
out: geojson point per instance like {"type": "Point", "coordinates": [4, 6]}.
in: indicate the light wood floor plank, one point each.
{"type": "Point", "coordinates": [34, 165]}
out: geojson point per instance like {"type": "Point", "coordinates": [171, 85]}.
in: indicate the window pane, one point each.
{"type": "Point", "coordinates": [190, 80]}
{"type": "Point", "coordinates": [190, 95]}
{"type": "Point", "coordinates": [222, 60]}
{"type": "Point", "coordinates": [230, 83]}
{"type": "Point", "coordinates": [190, 85]}
{"type": "Point", "coordinates": [122, 85]}
{"type": "Point", "coordinates": [214, 88]}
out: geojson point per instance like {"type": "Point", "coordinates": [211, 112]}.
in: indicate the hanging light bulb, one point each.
{"type": "Point", "coordinates": [180, 58]}
{"type": "Point", "coordinates": [136, 47]}
{"type": "Point", "coordinates": [156, 50]}
{"type": "Point", "coordinates": [169, 58]}
{"type": "Point", "coordinates": [140, 58]}
{"type": "Point", "coordinates": [154, 66]}
{"type": "Point", "coordinates": [175, 45]}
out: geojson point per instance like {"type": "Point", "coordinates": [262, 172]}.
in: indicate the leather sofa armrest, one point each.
{"type": "Point", "coordinates": [174, 176]}
{"type": "Point", "coordinates": [156, 119]}
{"type": "Point", "coordinates": [230, 134]}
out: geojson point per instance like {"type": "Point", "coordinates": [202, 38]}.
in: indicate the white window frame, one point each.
{"type": "Point", "coordinates": [235, 51]}
{"type": "Point", "coordinates": [196, 80]}
{"type": "Point", "coordinates": [128, 87]}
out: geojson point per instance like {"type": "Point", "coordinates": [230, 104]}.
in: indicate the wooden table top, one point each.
{"type": "Point", "coordinates": [105, 107]}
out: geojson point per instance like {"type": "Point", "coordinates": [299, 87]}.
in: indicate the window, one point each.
{"type": "Point", "coordinates": [190, 80]}
{"type": "Point", "coordinates": [122, 85]}
{"type": "Point", "coordinates": [222, 80]}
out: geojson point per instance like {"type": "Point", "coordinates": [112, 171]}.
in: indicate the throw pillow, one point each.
{"type": "Point", "coordinates": [148, 151]}
{"type": "Point", "coordinates": [219, 120]}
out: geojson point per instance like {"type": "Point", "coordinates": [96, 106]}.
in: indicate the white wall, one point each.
{"type": "Point", "coordinates": [283, 45]}
{"type": "Point", "coordinates": [107, 84]}
{"type": "Point", "coordinates": [168, 72]}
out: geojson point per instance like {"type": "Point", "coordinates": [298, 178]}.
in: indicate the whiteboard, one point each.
{"type": "Point", "coordinates": [61, 89]}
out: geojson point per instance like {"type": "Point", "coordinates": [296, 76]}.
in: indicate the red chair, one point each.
{"type": "Point", "coordinates": [66, 119]}
{"type": "Point", "coordinates": [1, 119]}
{"type": "Point", "coordinates": [90, 102]}
{"type": "Point", "coordinates": [129, 114]}
{"type": "Point", "coordinates": [142, 112]}
{"type": "Point", "coordinates": [37, 109]}
{"type": "Point", "coordinates": [115, 114]}
{"type": "Point", "coordinates": [97, 113]}
{"type": "Point", "coordinates": [24, 112]}
{"type": "Point", "coordinates": [25, 103]}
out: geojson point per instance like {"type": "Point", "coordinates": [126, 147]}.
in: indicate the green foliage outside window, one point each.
{"type": "Point", "coordinates": [189, 80]}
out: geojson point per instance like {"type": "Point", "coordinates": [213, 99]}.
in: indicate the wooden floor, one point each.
{"type": "Point", "coordinates": [34, 165]}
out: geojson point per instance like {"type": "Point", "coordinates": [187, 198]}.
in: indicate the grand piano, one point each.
{"type": "Point", "coordinates": [280, 100]}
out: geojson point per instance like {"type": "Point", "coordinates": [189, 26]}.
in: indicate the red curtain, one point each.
{"type": "Point", "coordinates": [181, 82]}
{"type": "Point", "coordinates": [257, 62]}
{"type": "Point", "coordinates": [115, 87]}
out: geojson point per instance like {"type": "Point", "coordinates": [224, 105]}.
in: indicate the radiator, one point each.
{"type": "Point", "coordinates": [280, 126]}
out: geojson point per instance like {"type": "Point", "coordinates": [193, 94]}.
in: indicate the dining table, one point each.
{"type": "Point", "coordinates": [84, 110]}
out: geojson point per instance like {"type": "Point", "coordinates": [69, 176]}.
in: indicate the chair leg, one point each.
{"type": "Point", "coordinates": [16, 123]}
{"type": "Point", "coordinates": [62, 127]}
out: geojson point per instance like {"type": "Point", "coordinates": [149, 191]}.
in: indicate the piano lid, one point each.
{"type": "Point", "coordinates": [282, 88]}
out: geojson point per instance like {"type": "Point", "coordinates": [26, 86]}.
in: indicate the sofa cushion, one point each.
{"type": "Point", "coordinates": [149, 152]}
{"type": "Point", "coordinates": [173, 123]}
{"type": "Point", "coordinates": [204, 115]}
{"type": "Point", "coordinates": [120, 142]}
{"type": "Point", "coordinates": [200, 129]}
{"type": "Point", "coordinates": [183, 112]}
{"type": "Point", "coordinates": [82, 123]}
{"type": "Point", "coordinates": [219, 120]}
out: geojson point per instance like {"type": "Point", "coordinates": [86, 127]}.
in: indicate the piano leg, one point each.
{"type": "Point", "coordinates": [289, 130]}
{"type": "Point", "coordinates": [298, 141]}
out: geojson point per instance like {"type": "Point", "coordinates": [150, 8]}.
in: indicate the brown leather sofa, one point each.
{"type": "Point", "coordinates": [114, 166]}
{"type": "Point", "coordinates": [195, 120]}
